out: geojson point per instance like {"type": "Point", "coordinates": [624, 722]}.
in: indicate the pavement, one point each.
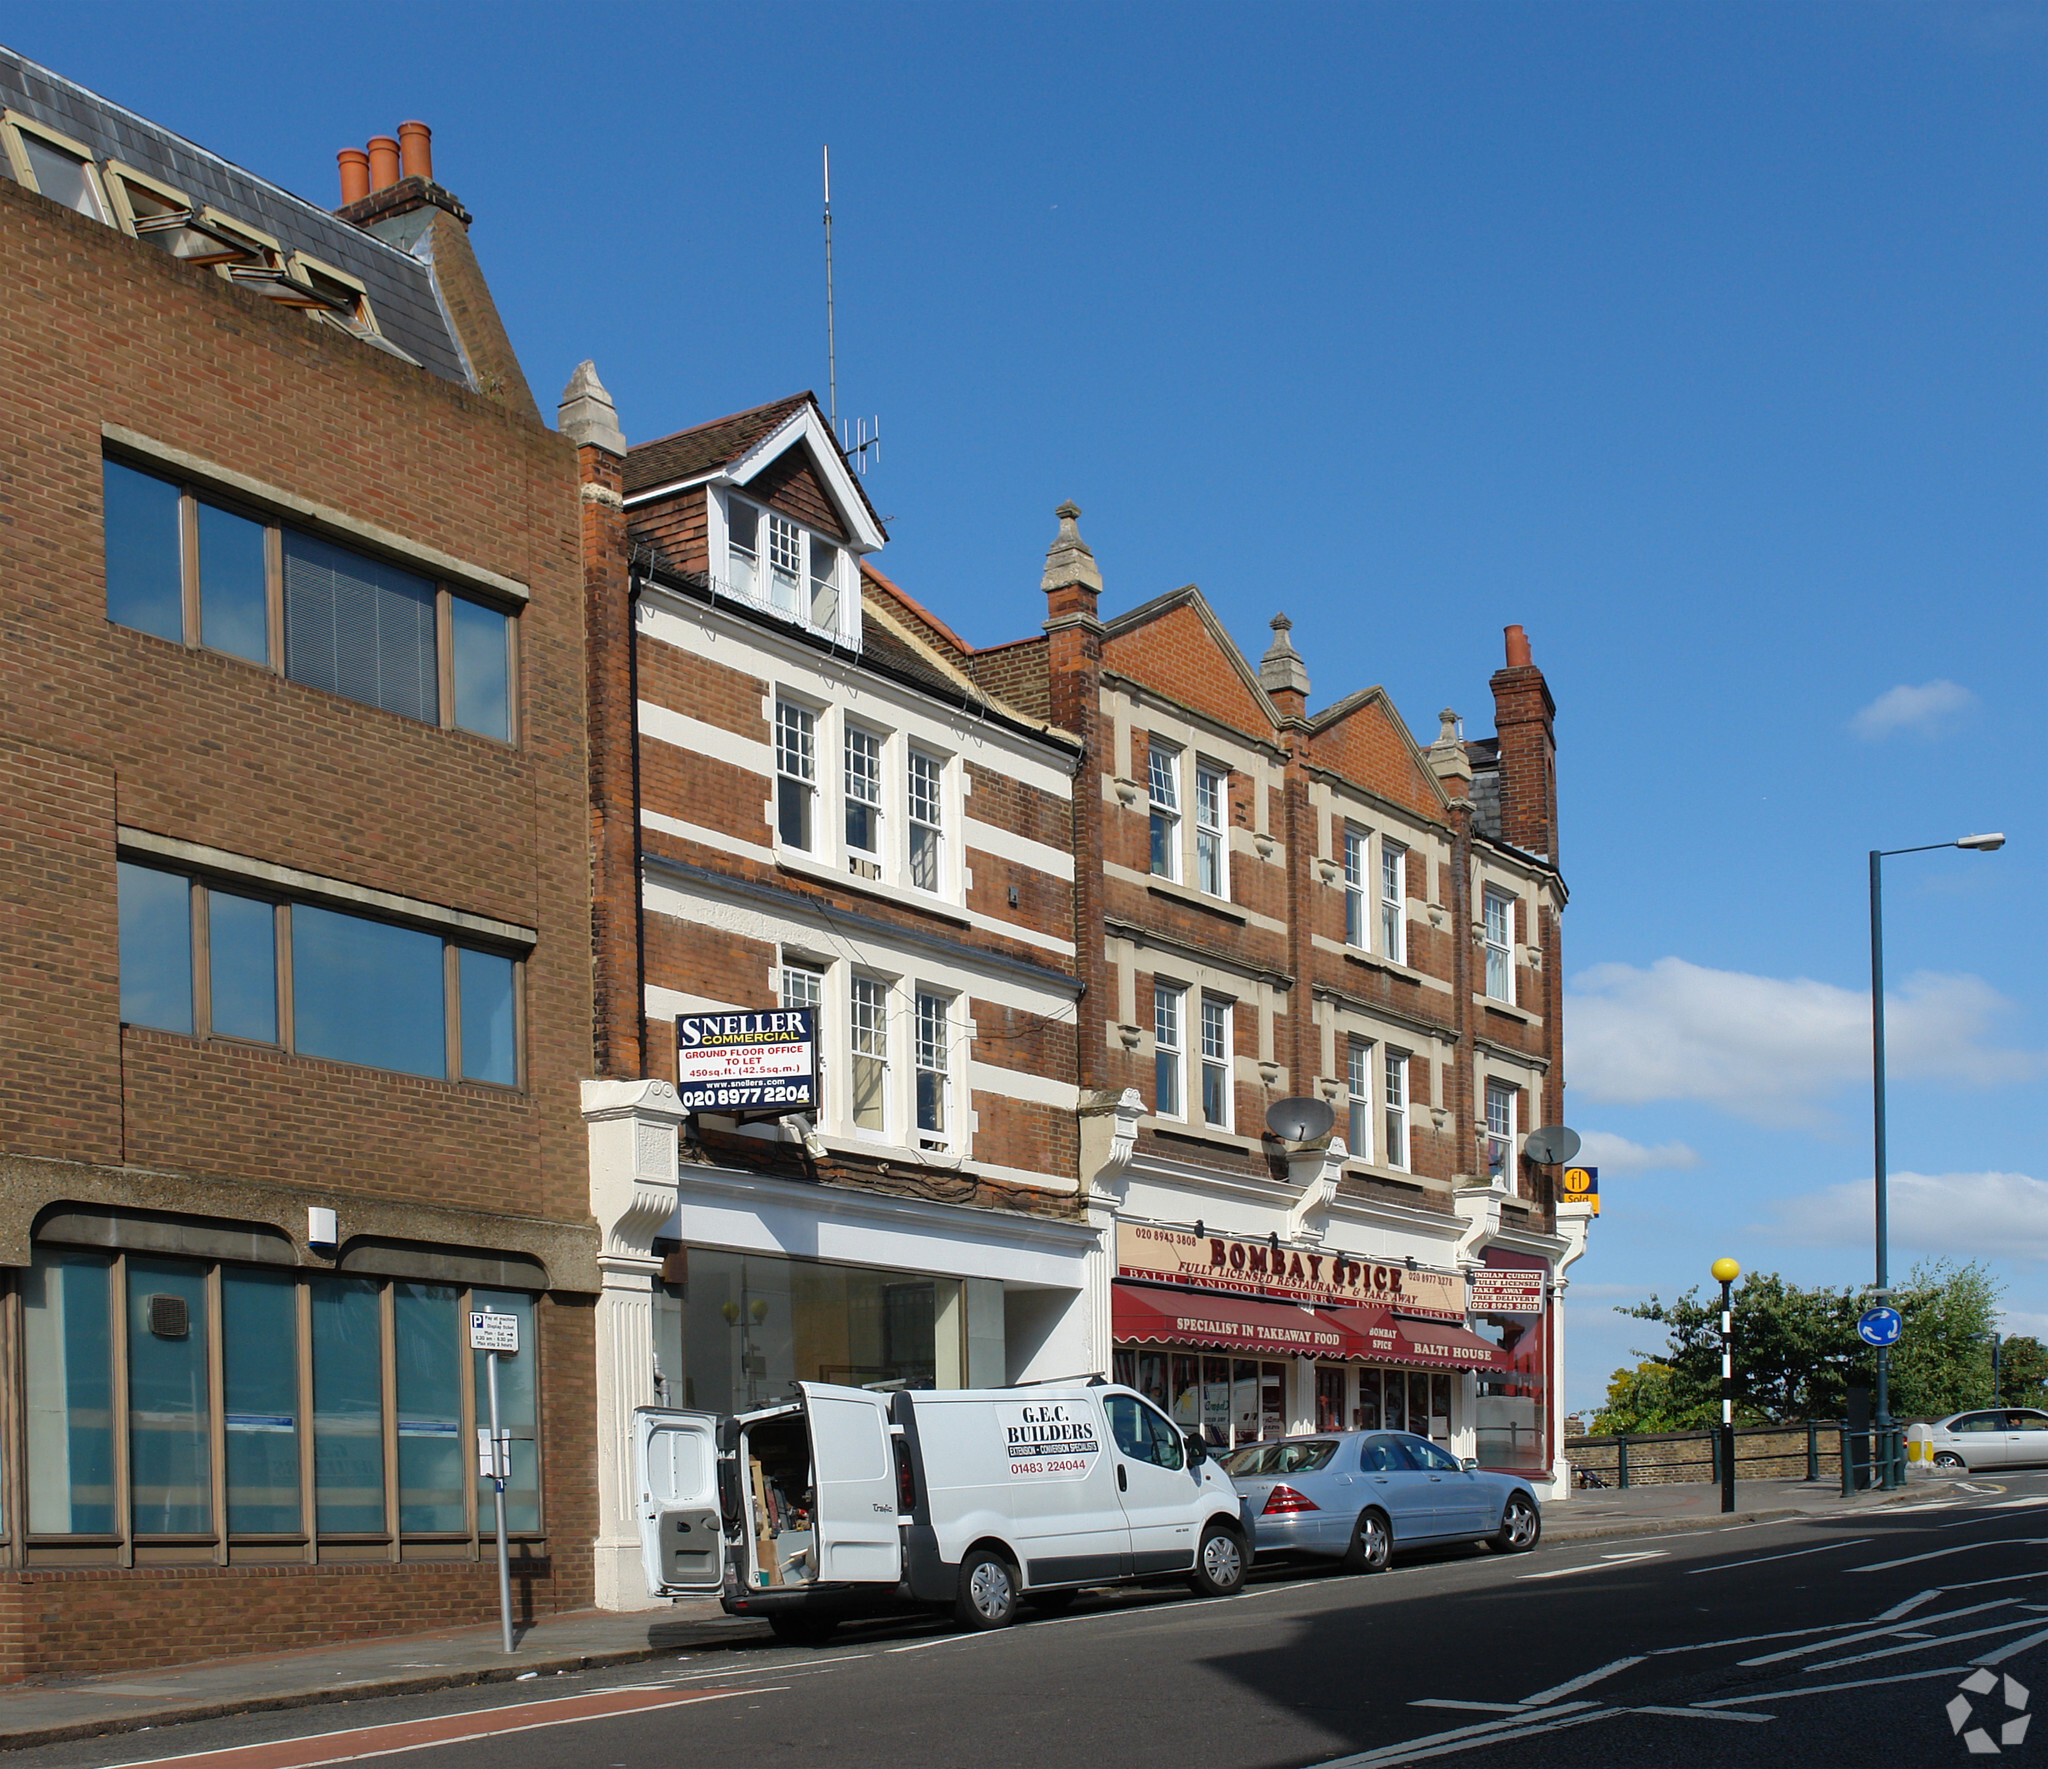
{"type": "Point", "coordinates": [53, 1711]}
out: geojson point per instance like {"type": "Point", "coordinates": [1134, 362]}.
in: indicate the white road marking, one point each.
{"type": "Point", "coordinates": [944, 1640]}
{"type": "Point", "coordinates": [1757, 1699]}
{"type": "Point", "coordinates": [1606, 1563]}
{"type": "Point", "coordinates": [1544, 1697]}
{"type": "Point", "coordinates": [1920, 1644]}
{"type": "Point", "coordinates": [1466, 1738]}
{"type": "Point", "coordinates": [1960, 1548]}
{"type": "Point", "coordinates": [1758, 1560]}
{"type": "Point", "coordinates": [1477, 1707]}
{"type": "Point", "coordinates": [1703, 1714]}
{"type": "Point", "coordinates": [1899, 1611]}
{"type": "Point", "coordinates": [1882, 1633]}
{"type": "Point", "coordinates": [2010, 1650]}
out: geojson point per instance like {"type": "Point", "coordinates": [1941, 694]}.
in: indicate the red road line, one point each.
{"type": "Point", "coordinates": [413, 1735]}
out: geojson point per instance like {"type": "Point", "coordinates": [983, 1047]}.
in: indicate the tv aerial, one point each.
{"type": "Point", "coordinates": [856, 443]}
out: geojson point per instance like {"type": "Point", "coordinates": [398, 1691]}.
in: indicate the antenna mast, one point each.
{"type": "Point", "coordinates": [831, 348]}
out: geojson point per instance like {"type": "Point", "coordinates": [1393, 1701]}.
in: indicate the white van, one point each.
{"type": "Point", "coordinates": [847, 1502]}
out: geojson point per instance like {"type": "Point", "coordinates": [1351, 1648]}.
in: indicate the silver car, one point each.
{"type": "Point", "coordinates": [1989, 1437]}
{"type": "Point", "coordinates": [1356, 1496]}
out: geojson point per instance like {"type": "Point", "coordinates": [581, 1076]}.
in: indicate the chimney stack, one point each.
{"type": "Point", "coordinates": [1523, 715]}
{"type": "Point", "coordinates": [383, 162]}
{"type": "Point", "coordinates": [416, 150]}
{"type": "Point", "coordinates": [355, 175]}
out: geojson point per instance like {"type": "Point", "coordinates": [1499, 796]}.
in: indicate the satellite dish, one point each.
{"type": "Point", "coordinates": [1551, 1145]}
{"type": "Point", "coordinates": [1300, 1120]}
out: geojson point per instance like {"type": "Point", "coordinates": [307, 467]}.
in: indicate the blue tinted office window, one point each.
{"type": "Point", "coordinates": [234, 604]}
{"type": "Point", "coordinates": [518, 1415]}
{"type": "Point", "coordinates": [259, 1335]}
{"type": "Point", "coordinates": [170, 1432]}
{"type": "Point", "coordinates": [156, 948]}
{"type": "Point", "coordinates": [481, 668]}
{"type": "Point", "coordinates": [432, 1461]}
{"type": "Point", "coordinates": [358, 627]}
{"type": "Point", "coordinates": [143, 568]}
{"type": "Point", "coordinates": [348, 1406]}
{"type": "Point", "coordinates": [487, 1053]}
{"type": "Point", "coordinates": [241, 939]}
{"type": "Point", "coordinates": [68, 1393]}
{"type": "Point", "coordinates": [367, 992]}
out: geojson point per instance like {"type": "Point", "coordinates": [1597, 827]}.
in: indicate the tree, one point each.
{"type": "Point", "coordinates": [2023, 1372]}
{"type": "Point", "coordinates": [1797, 1353]}
{"type": "Point", "coordinates": [1641, 1400]}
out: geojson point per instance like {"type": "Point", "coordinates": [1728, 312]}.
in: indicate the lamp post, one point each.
{"type": "Point", "coordinates": [1727, 1271]}
{"type": "Point", "coordinates": [1982, 844]}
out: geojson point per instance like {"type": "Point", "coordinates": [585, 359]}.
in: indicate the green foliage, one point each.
{"type": "Point", "coordinates": [1797, 1354]}
{"type": "Point", "coordinates": [1641, 1399]}
{"type": "Point", "coordinates": [2023, 1372]}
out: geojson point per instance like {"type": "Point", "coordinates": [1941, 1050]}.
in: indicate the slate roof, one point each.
{"type": "Point", "coordinates": [723, 440]}
{"type": "Point", "coordinates": [401, 288]}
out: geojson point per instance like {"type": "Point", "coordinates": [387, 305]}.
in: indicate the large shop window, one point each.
{"type": "Point", "coordinates": [182, 1410]}
{"type": "Point", "coordinates": [1230, 1400]}
{"type": "Point", "coordinates": [192, 570]}
{"type": "Point", "coordinates": [216, 963]}
{"type": "Point", "coordinates": [1514, 1402]}
{"type": "Point", "coordinates": [754, 1323]}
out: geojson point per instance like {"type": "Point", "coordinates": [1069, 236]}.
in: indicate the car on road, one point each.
{"type": "Point", "coordinates": [1989, 1437]}
{"type": "Point", "coordinates": [1358, 1496]}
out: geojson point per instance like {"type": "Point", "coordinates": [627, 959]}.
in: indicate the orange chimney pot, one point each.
{"type": "Point", "coordinates": [416, 150]}
{"type": "Point", "coordinates": [355, 175]}
{"type": "Point", "coordinates": [1518, 649]}
{"type": "Point", "coordinates": [383, 162]}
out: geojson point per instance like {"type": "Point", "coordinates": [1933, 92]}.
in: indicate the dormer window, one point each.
{"type": "Point", "coordinates": [60, 168]}
{"type": "Point", "coordinates": [774, 560]}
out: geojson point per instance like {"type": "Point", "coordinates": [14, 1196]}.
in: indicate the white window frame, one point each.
{"type": "Point", "coordinates": [1212, 828]}
{"type": "Point", "coordinates": [933, 1058]}
{"type": "Point", "coordinates": [1498, 930]}
{"type": "Point", "coordinates": [1217, 1060]}
{"type": "Point", "coordinates": [1393, 896]}
{"type": "Point", "coordinates": [1500, 1129]}
{"type": "Point", "coordinates": [1395, 1115]}
{"type": "Point", "coordinates": [928, 819]}
{"type": "Point", "coordinates": [1169, 1046]}
{"type": "Point", "coordinates": [13, 126]}
{"type": "Point", "coordinates": [863, 789]}
{"type": "Point", "coordinates": [1358, 1097]}
{"type": "Point", "coordinates": [1355, 846]}
{"type": "Point", "coordinates": [1163, 796]}
{"type": "Point", "coordinates": [801, 982]}
{"type": "Point", "coordinates": [753, 580]}
{"type": "Point", "coordinates": [868, 1008]}
{"type": "Point", "coordinates": [807, 780]}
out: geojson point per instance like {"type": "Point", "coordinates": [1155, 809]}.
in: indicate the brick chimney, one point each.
{"type": "Point", "coordinates": [1073, 633]}
{"type": "Point", "coordinates": [587, 418]}
{"type": "Point", "coordinates": [1523, 713]}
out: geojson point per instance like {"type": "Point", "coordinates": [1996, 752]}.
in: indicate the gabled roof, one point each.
{"type": "Point", "coordinates": [1190, 597]}
{"type": "Point", "coordinates": [400, 286]}
{"type": "Point", "coordinates": [1376, 701]}
{"type": "Point", "coordinates": [737, 447]}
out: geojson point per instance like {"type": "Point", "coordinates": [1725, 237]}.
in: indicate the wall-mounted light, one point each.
{"type": "Point", "coordinates": [1273, 1243]}
{"type": "Point", "coordinates": [1200, 1231]}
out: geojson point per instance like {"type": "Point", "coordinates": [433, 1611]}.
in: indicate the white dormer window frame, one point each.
{"type": "Point", "coordinates": [28, 145]}
{"type": "Point", "coordinates": [766, 558]}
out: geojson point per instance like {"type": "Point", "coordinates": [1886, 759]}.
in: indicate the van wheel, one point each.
{"type": "Point", "coordinates": [1052, 1602]}
{"type": "Point", "coordinates": [1520, 1526]}
{"type": "Point", "coordinates": [1219, 1564]}
{"type": "Point", "coordinates": [1371, 1545]}
{"type": "Point", "coordinates": [802, 1630]}
{"type": "Point", "coordinates": [988, 1591]}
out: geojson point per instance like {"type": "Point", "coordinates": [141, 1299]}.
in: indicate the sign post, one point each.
{"type": "Point", "coordinates": [492, 1334]}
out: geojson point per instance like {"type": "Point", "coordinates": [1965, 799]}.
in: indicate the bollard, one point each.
{"type": "Point", "coordinates": [1812, 1450]}
{"type": "Point", "coordinates": [1621, 1461]}
{"type": "Point", "coordinates": [1714, 1458]}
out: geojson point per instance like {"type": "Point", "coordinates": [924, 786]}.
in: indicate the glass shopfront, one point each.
{"type": "Point", "coordinates": [1231, 1400]}
{"type": "Point", "coordinates": [1514, 1401]}
{"type": "Point", "coordinates": [756, 1323]}
{"type": "Point", "coordinates": [1404, 1400]}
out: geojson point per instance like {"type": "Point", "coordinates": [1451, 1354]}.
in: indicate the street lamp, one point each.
{"type": "Point", "coordinates": [1981, 844]}
{"type": "Point", "coordinates": [1727, 1271]}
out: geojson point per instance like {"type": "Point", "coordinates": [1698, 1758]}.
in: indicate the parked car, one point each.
{"type": "Point", "coordinates": [846, 1502]}
{"type": "Point", "coordinates": [1990, 1437]}
{"type": "Point", "coordinates": [1357, 1496]}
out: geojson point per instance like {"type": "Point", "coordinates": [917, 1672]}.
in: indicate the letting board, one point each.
{"type": "Point", "coordinates": [764, 1061]}
{"type": "Point", "coordinates": [1499, 1290]}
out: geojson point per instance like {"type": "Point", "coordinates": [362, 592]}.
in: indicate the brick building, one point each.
{"type": "Point", "coordinates": [1283, 905]}
{"type": "Point", "coordinates": [811, 795]}
{"type": "Point", "coordinates": [294, 989]}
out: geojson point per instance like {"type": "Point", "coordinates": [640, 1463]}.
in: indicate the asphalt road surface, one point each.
{"type": "Point", "coordinates": [1913, 1635]}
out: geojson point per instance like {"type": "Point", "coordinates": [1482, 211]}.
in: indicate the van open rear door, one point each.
{"type": "Point", "coordinates": [675, 1475]}
{"type": "Point", "coordinates": [853, 1461]}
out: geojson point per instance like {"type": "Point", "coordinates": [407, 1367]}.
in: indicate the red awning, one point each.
{"type": "Point", "coordinates": [1145, 1316]}
{"type": "Point", "coordinates": [1426, 1345]}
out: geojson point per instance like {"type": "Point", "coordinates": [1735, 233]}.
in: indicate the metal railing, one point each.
{"type": "Point", "coordinates": [1810, 1449]}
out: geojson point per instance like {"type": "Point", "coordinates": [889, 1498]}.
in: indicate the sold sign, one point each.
{"type": "Point", "coordinates": [1582, 1186]}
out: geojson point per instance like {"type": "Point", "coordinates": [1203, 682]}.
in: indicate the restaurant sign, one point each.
{"type": "Point", "coordinates": [1499, 1290]}
{"type": "Point", "coordinates": [1241, 1267]}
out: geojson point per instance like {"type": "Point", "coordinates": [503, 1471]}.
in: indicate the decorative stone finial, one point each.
{"type": "Point", "coordinates": [1447, 722]}
{"type": "Point", "coordinates": [587, 415]}
{"type": "Point", "coordinates": [1068, 560]}
{"type": "Point", "coordinates": [1281, 669]}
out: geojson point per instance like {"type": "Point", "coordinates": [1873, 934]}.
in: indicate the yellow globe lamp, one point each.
{"type": "Point", "coordinates": [1726, 1271]}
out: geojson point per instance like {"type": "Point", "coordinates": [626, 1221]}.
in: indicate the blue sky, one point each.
{"type": "Point", "coordinates": [1704, 341]}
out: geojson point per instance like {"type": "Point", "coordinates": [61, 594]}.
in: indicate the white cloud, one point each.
{"type": "Point", "coordinates": [1963, 1215]}
{"type": "Point", "coordinates": [1773, 1050]}
{"type": "Point", "coordinates": [1925, 710]}
{"type": "Point", "coordinates": [1616, 1154]}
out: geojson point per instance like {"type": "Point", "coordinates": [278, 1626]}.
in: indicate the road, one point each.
{"type": "Point", "coordinates": [1837, 1642]}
